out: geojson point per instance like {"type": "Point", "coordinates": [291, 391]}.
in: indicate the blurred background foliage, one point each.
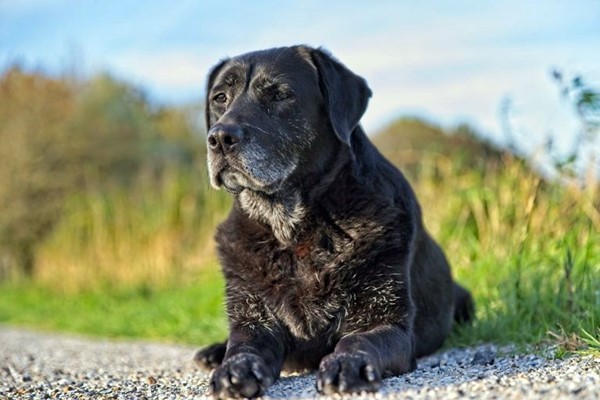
{"type": "Point", "coordinates": [106, 216]}
{"type": "Point", "coordinates": [97, 185]}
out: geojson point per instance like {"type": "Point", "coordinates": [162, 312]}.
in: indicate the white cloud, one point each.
{"type": "Point", "coordinates": [167, 69]}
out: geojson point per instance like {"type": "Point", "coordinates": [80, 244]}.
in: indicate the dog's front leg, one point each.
{"type": "Point", "coordinates": [252, 362]}
{"type": "Point", "coordinates": [360, 359]}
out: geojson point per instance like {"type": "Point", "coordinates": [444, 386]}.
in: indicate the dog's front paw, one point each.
{"type": "Point", "coordinates": [347, 373]}
{"type": "Point", "coordinates": [210, 357]}
{"type": "Point", "coordinates": [244, 375]}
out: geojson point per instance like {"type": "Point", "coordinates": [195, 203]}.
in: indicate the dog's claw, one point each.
{"type": "Point", "coordinates": [244, 375]}
{"type": "Point", "coordinates": [210, 357]}
{"type": "Point", "coordinates": [369, 372]}
{"type": "Point", "coordinates": [347, 373]}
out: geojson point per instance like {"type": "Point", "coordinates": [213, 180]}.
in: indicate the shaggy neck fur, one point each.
{"type": "Point", "coordinates": [283, 215]}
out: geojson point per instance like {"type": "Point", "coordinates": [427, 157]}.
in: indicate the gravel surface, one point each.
{"type": "Point", "coordinates": [39, 365]}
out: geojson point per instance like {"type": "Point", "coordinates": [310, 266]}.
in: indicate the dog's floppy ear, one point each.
{"type": "Point", "coordinates": [346, 94]}
{"type": "Point", "coordinates": [209, 83]}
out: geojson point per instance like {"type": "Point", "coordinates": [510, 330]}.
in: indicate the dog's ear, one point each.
{"type": "Point", "coordinates": [212, 75]}
{"type": "Point", "coordinates": [346, 94]}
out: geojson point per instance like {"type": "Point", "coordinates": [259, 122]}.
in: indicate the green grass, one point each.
{"type": "Point", "coordinates": [528, 250]}
{"type": "Point", "coordinates": [538, 298]}
{"type": "Point", "coordinates": [518, 301]}
{"type": "Point", "coordinates": [593, 341]}
{"type": "Point", "coordinates": [144, 235]}
{"type": "Point", "coordinates": [530, 253]}
{"type": "Point", "coordinates": [190, 313]}
{"type": "Point", "coordinates": [137, 260]}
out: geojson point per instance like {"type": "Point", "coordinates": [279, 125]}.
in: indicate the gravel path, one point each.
{"type": "Point", "coordinates": [39, 365]}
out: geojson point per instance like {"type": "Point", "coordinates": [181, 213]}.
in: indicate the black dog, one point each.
{"type": "Point", "coordinates": [326, 259]}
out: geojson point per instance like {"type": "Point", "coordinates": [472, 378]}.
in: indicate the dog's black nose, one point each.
{"type": "Point", "coordinates": [225, 137]}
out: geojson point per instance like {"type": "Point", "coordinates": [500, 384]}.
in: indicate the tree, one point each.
{"type": "Point", "coordinates": [60, 137]}
{"type": "Point", "coordinates": [585, 101]}
{"type": "Point", "coordinates": [32, 178]}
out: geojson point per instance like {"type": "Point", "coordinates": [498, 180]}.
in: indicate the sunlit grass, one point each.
{"type": "Point", "coordinates": [156, 235]}
{"type": "Point", "coordinates": [188, 313]}
{"type": "Point", "coordinates": [528, 250]}
{"type": "Point", "coordinates": [107, 219]}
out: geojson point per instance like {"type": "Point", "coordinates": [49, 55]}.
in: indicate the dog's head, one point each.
{"type": "Point", "coordinates": [276, 115]}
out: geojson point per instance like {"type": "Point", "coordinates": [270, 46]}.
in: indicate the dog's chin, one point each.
{"type": "Point", "coordinates": [227, 180]}
{"type": "Point", "coordinates": [235, 182]}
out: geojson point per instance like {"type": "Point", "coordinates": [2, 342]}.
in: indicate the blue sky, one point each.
{"type": "Point", "coordinates": [449, 61]}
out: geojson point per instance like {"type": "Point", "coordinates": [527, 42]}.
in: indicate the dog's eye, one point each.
{"type": "Point", "coordinates": [279, 95]}
{"type": "Point", "coordinates": [220, 98]}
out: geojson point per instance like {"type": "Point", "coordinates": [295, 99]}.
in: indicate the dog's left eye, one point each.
{"type": "Point", "coordinates": [279, 95]}
{"type": "Point", "coordinates": [220, 98]}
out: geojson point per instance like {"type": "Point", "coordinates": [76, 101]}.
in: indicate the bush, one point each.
{"type": "Point", "coordinates": [35, 171]}
{"type": "Point", "coordinates": [62, 139]}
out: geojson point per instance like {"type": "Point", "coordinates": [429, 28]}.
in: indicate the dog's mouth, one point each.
{"type": "Point", "coordinates": [231, 180]}
{"type": "Point", "coordinates": [251, 170]}
{"type": "Point", "coordinates": [235, 180]}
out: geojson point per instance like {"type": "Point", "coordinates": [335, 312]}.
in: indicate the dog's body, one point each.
{"type": "Point", "coordinates": [326, 259]}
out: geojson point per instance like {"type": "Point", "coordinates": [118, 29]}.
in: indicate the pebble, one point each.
{"type": "Point", "coordinates": [483, 357]}
{"type": "Point", "coordinates": [40, 365]}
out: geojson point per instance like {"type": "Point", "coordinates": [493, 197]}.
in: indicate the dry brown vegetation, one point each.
{"type": "Point", "coordinates": [100, 191]}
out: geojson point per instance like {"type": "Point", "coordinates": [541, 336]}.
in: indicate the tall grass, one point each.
{"type": "Point", "coordinates": [155, 234]}
{"type": "Point", "coordinates": [528, 249]}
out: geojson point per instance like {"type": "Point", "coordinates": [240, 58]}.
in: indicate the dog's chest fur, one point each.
{"type": "Point", "coordinates": [311, 285]}
{"type": "Point", "coordinates": [301, 294]}
{"type": "Point", "coordinates": [298, 285]}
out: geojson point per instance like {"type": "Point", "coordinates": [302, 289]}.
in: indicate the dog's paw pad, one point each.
{"type": "Point", "coordinates": [347, 373]}
{"type": "Point", "coordinates": [242, 376]}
